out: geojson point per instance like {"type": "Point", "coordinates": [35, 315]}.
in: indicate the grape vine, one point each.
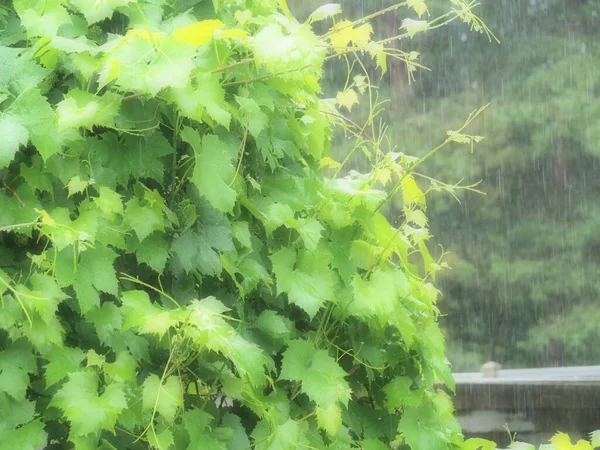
{"type": "Point", "coordinates": [183, 263]}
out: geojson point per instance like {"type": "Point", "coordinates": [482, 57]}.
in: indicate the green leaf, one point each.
{"type": "Point", "coordinates": [80, 109]}
{"type": "Point", "coordinates": [310, 284]}
{"type": "Point", "coordinates": [323, 380]}
{"type": "Point", "coordinates": [329, 418]}
{"type": "Point", "coordinates": [95, 12]}
{"type": "Point", "coordinates": [421, 427]}
{"type": "Point", "coordinates": [198, 247]}
{"type": "Point", "coordinates": [94, 359]}
{"type": "Point", "coordinates": [213, 171]}
{"type": "Point", "coordinates": [139, 65]}
{"type": "Point", "coordinates": [165, 397]}
{"type": "Point", "coordinates": [139, 312]}
{"type": "Point", "coordinates": [288, 436]}
{"type": "Point", "coordinates": [240, 439]}
{"type": "Point", "coordinates": [76, 185]}
{"type": "Point", "coordinates": [205, 102]}
{"type": "Point", "coordinates": [154, 252]}
{"type": "Point", "coordinates": [13, 136]}
{"type": "Point", "coordinates": [116, 160]}
{"type": "Point", "coordinates": [18, 428]}
{"type": "Point", "coordinates": [95, 273]}
{"type": "Point", "coordinates": [87, 411]}
{"type": "Point", "coordinates": [144, 217]}
{"type": "Point", "coordinates": [29, 117]}
{"type": "Point", "coordinates": [16, 362]}
{"type": "Point", "coordinates": [123, 369]}
{"type": "Point", "coordinates": [400, 393]}
{"type": "Point", "coordinates": [42, 18]}
{"type": "Point", "coordinates": [19, 72]}
{"type": "Point", "coordinates": [241, 233]}
{"type": "Point", "coordinates": [375, 297]}
{"type": "Point", "coordinates": [196, 423]}
{"type": "Point", "coordinates": [106, 319]}
{"type": "Point", "coordinates": [44, 297]}
{"type": "Point", "coordinates": [273, 325]}
{"type": "Point", "coordinates": [160, 438]}
{"type": "Point", "coordinates": [418, 5]}
{"type": "Point", "coordinates": [252, 116]}
{"type": "Point", "coordinates": [62, 361]}
{"type": "Point", "coordinates": [108, 201]}
{"type": "Point", "coordinates": [310, 230]}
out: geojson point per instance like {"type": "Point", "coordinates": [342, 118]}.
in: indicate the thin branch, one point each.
{"type": "Point", "coordinates": [13, 192]}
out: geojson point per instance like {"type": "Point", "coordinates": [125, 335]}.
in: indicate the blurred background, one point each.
{"type": "Point", "coordinates": [525, 257]}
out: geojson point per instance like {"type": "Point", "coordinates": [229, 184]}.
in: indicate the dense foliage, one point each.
{"type": "Point", "coordinates": [176, 271]}
{"type": "Point", "coordinates": [524, 285]}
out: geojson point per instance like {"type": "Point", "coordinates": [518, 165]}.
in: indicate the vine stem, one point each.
{"type": "Point", "coordinates": [13, 192]}
{"type": "Point", "coordinates": [366, 18]}
{"type": "Point", "coordinates": [396, 187]}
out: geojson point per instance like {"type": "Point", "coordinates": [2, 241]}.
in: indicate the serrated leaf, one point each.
{"type": "Point", "coordinates": [241, 233]}
{"type": "Point", "coordinates": [42, 18]}
{"type": "Point", "coordinates": [87, 411]}
{"type": "Point", "coordinates": [161, 438]}
{"type": "Point", "coordinates": [347, 99]}
{"type": "Point", "coordinates": [94, 359]}
{"type": "Point", "coordinates": [595, 438]}
{"type": "Point", "coordinates": [153, 251]}
{"type": "Point", "coordinates": [213, 171]}
{"type": "Point", "coordinates": [310, 230]}
{"type": "Point", "coordinates": [329, 418]}
{"type": "Point", "coordinates": [80, 109]}
{"type": "Point", "coordinates": [411, 193]}
{"type": "Point", "coordinates": [144, 217]}
{"type": "Point", "coordinates": [273, 325]}
{"type": "Point", "coordinates": [62, 361]}
{"type": "Point", "coordinates": [375, 297]}
{"type": "Point", "coordinates": [413, 27]}
{"type": "Point", "coordinates": [344, 33]}
{"type": "Point", "coordinates": [139, 312]}
{"type": "Point", "coordinates": [16, 363]}
{"type": "Point", "coordinates": [141, 65]}
{"type": "Point", "coordinates": [196, 248]}
{"type": "Point", "coordinates": [204, 102]}
{"type": "Point", "coordinates": [108, 201]}
{"type": "Point", "coordinates": [31, 113]}
{"type": "Point", "coordinates": [123, 369]}
{"type": "Point", "coordinates": [288, 436]}
{"type": "Point", "coordinates": [115, 160]}
{"type": "Point", "coordinates": [399, 393]}
{"type": "Point", "coordinates": [18, 428]}
{"type": "Point", "coordinates": [325, 12]}
{"type": "Point", "coordinates": [77, 185]}
{"type": "Point", "coordinates": [165, 397]}
{"type": "Point", "coordinates": [106, 319]}
{"type": "Point", "coordinates": [323, 380]}
{"type": "Point", "coordinates": [100, 10]}
{"type": "Point", "coordinates": [95, 273]}
{"type": "Point", "coordinates": [418, 5]}
{"type": "Point", "coordinates": [13, 136]}
{"type": "Point", "coordinates": [310, 284]}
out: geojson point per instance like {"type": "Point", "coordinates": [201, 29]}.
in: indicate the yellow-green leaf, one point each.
{"type": "Point", "coordinates": [347, 99]}
{"type": "Point", "coordinates": [330, 418]}
{"type": "Point", "coordinates": [198, 33]}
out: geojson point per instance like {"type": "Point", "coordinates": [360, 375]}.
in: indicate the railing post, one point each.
{"type": "Point", "coordinates": [490, 369]}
